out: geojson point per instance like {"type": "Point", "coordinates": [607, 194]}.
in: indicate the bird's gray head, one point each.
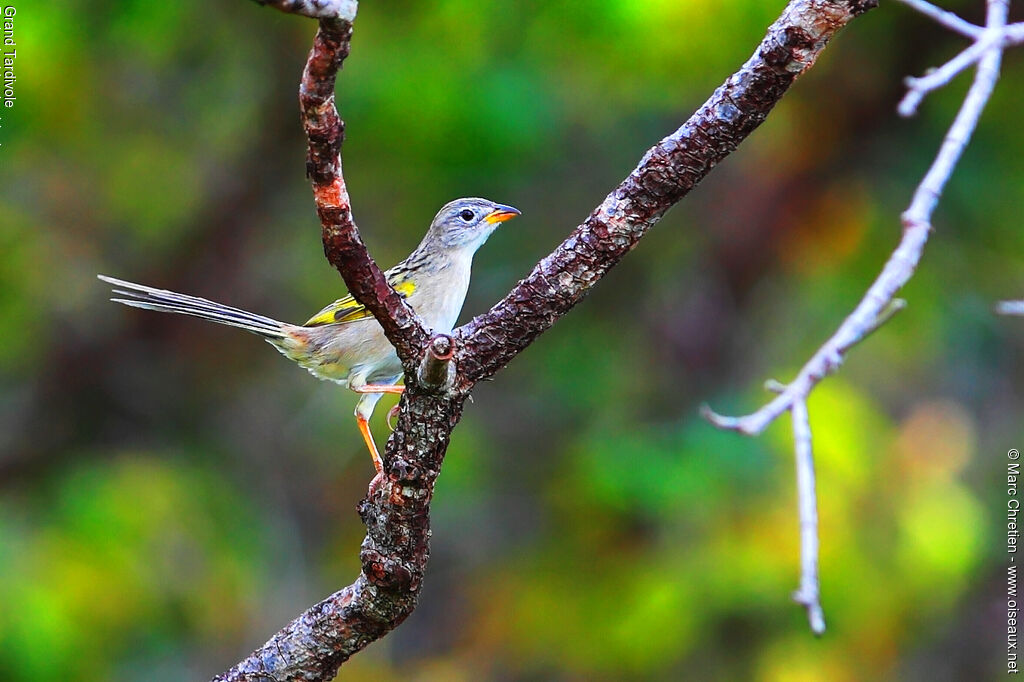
{"type": "Point", "coordinates": [467, 223]}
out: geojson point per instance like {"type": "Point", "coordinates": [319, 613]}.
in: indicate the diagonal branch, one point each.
{"type": "Point", "coordinates": [880, 302]}
{"type": "Point", "coordinates": [667, 172]}
{"type": "Point", "coordinates": [325, 131]}
{"type": "Point", "coordinates": [876, 303]}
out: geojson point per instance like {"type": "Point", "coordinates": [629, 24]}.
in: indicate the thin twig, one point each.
{"type": "Point", "coordinates": [809, 593]}
{"type": "Point", "coordinates": [928, 192]}
{"type": "Point", "coordinates": [985, 38]}
{"type": "Point", "coordinates": [918, 88]}
{"type": "Point", "coordinates": [1013, 34]}
{"type": "Point", "coordinates": [945, 18]}
{"type": "Point", "coordinates": [901, 265]}
{"type": "Point", "coordinates": [1010, 308]}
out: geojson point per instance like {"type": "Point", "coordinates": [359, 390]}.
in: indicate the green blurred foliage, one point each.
{"type": "Point", "coordinates": [173, 493]}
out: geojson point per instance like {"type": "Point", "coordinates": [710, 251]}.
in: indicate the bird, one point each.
{"type": "Point", "coordinates": [343, 342]}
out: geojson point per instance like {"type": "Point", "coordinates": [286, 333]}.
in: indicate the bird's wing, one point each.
{"type": "Point", "coordinates": [348, 309]}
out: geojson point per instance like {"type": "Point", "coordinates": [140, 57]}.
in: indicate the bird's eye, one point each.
{"type": "Point", "coordinates": [467, 215]}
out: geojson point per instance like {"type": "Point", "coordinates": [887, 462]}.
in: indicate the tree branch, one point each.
{"type": "Point", "coordinates": [396, 513]}
{"type": "Point", "coordinates": [316, 9]}
{"type": "Point", "coordinates": [667, 172]}
{"type": "Point", "coordinates": [809, 593]}
{"type": "Point", "coordinates": [985, 39]}
{"type": "Point", "coordinates": [325, 132]}
{"type": "Point", "coordinates": [901, 265]}
{"type": "Point", "coordinates": [917, 88]}
{"type": "Point", "coordinates": [945, 18]}
{"type": "Point", "coordinates": [1010, 308]}
{"type": "Point", "coordinates": [393, 555]}
{"type": "Point", "coordinates": [880, 302]}
{"type": "Point", "coordinates": [437, 369]}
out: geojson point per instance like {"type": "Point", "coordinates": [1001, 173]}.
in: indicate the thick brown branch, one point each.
{"type": "Point", "coordinates": [343, 246]}
{"type": "Point", "coordinates": [667, 172]}
{"type": "Point", "coordinates": [437, 371]}
{"type": "Point", "coordinates": [394, 557]}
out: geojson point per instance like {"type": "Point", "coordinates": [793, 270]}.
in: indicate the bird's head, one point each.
{"type": "Point", "coordinates": [467, 223]}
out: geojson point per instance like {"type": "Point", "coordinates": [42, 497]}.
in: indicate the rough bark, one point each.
{"type": "Point", "coordinates": [393, 555]}
{"type": "Point", "coordinates": [343, 246]}
{"type": "Point", "coordinates": [396, 513]}
{"type": "Point", "coordinates": [666, 173]}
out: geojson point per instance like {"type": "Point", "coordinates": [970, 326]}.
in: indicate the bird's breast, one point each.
{"type": "Point", "coordinates": [439, 296]}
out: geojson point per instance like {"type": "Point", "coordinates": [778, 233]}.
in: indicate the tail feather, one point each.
{"type": "Point", "coordinates": [161, 300]}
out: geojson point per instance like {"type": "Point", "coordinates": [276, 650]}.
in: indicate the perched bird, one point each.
{"type": "Point", "coordinates": [343, 342]}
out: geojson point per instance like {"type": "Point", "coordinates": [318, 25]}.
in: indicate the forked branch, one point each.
{"type": "Point", "coordinates": [880, 302]}
{"type": "Point", "coordinates": [396, 513]}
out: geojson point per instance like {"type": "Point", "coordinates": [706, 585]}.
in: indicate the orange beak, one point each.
{"type": "Point", "coordinates": [501, 214]}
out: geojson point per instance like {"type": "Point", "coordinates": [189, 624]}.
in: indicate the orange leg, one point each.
{"type": "Point", "coordinates": [364, 428]}
{"type": "Point", "coordinates": [379, 388]}
{"type": "Point", "coordinates": [362, 417]}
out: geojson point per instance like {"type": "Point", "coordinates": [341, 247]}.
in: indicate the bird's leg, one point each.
{"type": "Point", "coordinates": [379, 388]}
{"type": "Point", "coordinates": [364, 428]}
{"type": "Point", "coordinates": [364, 408]}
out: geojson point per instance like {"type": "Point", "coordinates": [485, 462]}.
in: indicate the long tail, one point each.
{"type": "Point", "coordinates": [140, 296]}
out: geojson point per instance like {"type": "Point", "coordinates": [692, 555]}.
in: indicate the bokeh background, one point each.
{"type": "Point", "coordinates": [172, 492]}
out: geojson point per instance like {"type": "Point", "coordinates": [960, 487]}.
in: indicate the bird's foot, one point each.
{"type": "Point", "coordinates": [375, 483]}
{"type": "Point", "coordinates": [392, 414]}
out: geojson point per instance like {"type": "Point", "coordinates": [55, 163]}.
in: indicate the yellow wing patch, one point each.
{"type": "Point", "coordinates": [349, 310]}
